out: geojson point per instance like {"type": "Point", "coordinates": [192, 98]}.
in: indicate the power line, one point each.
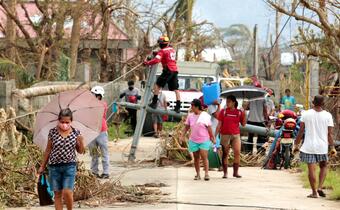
{"type": "Point", "coordinates": [287, 21]}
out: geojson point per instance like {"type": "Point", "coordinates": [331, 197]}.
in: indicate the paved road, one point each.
{"type": "Point", "coordinates": [258, 189]}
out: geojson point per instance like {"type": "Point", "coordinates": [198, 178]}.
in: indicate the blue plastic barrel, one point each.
{"type": "Point", "coordinates": [211, 92]}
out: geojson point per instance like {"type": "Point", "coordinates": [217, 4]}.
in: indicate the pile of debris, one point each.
{"type": "Point", "coordinates": [334, 163]}
{"type": "Point", "coordinates": [18, 175]}
{"type": "Point", "coordinates": [172, 145]}
{"type": "Point", "coordinates": [176, 150]}
{"type": "Point", "coordinates": [92, 192]}
{"type": "Point", "coordinates": [20, 159]}
{"type": "Point", "coordinates": [18, 182]}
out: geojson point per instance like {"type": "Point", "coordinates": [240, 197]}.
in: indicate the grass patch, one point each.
{"type": "Point", "coordinates": [169, 126]}
{"type": "Point", "coordinates": [112, 131]}
{"type": "Point", "coordinates": [332, 181]}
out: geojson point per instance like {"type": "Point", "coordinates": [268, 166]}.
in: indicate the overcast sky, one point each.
{"type": "Point", "coordinates": [224, 13]}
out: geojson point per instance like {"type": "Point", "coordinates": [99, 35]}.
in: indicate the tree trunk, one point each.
{"type": "Point", "coordinates": [59, 33]}
{"type": "Point", "coordinates": [103, 51]}
{"type": "Point", "coordinates": [11, 35]}
{"type": "Point", "coordinates": [75, 38]}
{"type": "Point", "coordinates": [188, 37]}
{"type": "Point", "coordinates": [45, 90]}
{"type": "Point", "coordinates": [40, 64]}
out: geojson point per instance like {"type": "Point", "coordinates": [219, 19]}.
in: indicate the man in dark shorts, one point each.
{"type": "Point", "coordinates": [167, 56]}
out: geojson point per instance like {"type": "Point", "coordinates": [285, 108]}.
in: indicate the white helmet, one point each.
{"type": "Point", "coordinates": [98, 90]}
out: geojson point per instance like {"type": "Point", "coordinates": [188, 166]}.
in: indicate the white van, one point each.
{"type": "Point", "coordinates": [191, 77]}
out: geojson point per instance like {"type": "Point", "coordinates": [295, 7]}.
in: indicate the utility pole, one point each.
{"type": "Point", "coordinates": [256, 57]}
{"type": "Point", "coordinates": [312, 79]}
{"type": "Point", "coordinates": [268, 41]}
{"type": "Point", "coordinates": [307, 83]}
{"type": "Point", "coordinates": [142, 116]}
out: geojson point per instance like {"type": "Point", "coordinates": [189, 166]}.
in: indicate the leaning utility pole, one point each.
{"type": "Point", "coordinates": [255, 59]}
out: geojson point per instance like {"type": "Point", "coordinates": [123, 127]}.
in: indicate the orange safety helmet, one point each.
{"type": "Point", "coordinates": [163, 40]}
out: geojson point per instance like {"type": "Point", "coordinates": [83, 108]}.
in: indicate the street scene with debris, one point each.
{"type": "Point", "coordinates": [172, 104]}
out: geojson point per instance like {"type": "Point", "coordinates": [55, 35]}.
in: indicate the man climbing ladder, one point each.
{"type": "Point", "coordinates": [167, 56]}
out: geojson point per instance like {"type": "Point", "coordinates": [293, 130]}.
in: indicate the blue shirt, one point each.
{"type": "Point", "coordinates": [289, 102]}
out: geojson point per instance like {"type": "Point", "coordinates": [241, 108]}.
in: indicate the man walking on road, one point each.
{"type": "Point", "coordinates": [317, 124]}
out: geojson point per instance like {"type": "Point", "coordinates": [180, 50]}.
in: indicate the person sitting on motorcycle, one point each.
{"type": "Point", "coordinates": [285, 114]}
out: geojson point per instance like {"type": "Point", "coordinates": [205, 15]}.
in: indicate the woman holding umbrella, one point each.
{"type": "Point", "coordinates": [60, 155]}
{"type": "Point", "coordinates": [229, 128]}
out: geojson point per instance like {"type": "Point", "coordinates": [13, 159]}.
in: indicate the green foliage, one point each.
{"type": "Point", "coordinates": [326, 65]}
{"type": "Point", "coordinates": [332, 181]}
{"type": "Point", "coordinates": [63, 68]}
{"type": "Point", "coordinates": [224, 62]}
{"type": "Point", "coordinates": [112, 131]}
{"type": "Point", "coordinates": [296, 73]}
{"type": "Point", "coordinates": [169, 126]}
{"type": "Point", "coordinates": [23, 77]}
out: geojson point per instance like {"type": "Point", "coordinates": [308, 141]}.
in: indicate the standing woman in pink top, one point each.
{"type": "Point", "coordinates": [200, 138]}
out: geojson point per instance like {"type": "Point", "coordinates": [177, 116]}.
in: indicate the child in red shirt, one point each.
{"type": "Point", "coordinates": [229, 128]}
{"type": "Point", "coordinates": [167, 56]}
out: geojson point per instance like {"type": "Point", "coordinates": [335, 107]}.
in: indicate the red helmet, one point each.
{"type": "Point", "coordinates": [290, 124]}
{"type": "Point", "coordinates": [163, 40]}
{"type": "Point", "coordinates": [288, 114]}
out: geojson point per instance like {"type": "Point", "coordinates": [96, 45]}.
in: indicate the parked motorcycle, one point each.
{"type": "Point", "coordinates": [280, 153]}
{"type": "Point", "coordinates": [286, 142]}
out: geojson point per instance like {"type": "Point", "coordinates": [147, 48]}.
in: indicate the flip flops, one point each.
{"type": "Point", "coordinates": [197, 178]}
{"type": "Point", "coordinates": [312, 196]}
{"type": "Point", "coordinates": [321, 193]}
{"type": "Point", "coordinates": [206, 178]}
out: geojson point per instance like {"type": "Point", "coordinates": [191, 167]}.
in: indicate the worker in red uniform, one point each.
{"type": "Point", "coordinates": [167, 56]}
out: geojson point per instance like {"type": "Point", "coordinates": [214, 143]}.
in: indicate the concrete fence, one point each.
{"type": "Point", "coordinates": [26, 105]}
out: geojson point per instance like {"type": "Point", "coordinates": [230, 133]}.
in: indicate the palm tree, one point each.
{"type": "Point", "coordinates": [238, 38]}
{"type": "Point", "coordinates": [183, 17]}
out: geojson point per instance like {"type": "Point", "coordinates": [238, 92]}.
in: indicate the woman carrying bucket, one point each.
{"type": "Point", "coordinates": [229, 128]}
{"type": "Point", "coordinates": [201, 137]}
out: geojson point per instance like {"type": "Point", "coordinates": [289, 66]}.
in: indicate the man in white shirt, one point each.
{"type": "Point", "coordinates": [317, 124]}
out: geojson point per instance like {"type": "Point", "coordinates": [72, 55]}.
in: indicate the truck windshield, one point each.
{"type": "Point", "coordinates": [191, 83]}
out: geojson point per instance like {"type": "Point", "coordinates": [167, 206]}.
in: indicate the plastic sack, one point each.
{"type": "Point", "coordinates": [44, 191]}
